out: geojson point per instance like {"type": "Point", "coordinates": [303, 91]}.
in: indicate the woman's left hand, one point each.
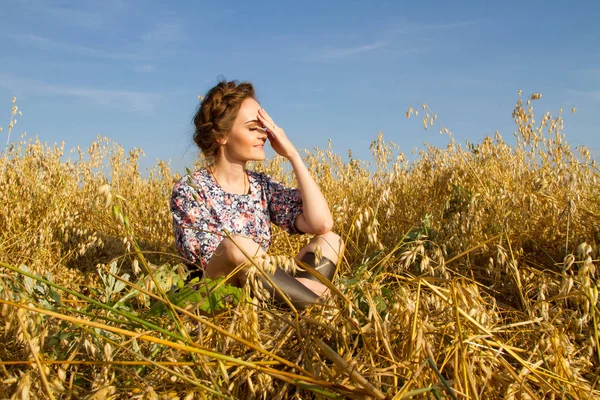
{"type": "Point", "coordinates": [279, 141]}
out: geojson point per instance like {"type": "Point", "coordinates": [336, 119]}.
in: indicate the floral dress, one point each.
{"type": "Point", "coordinates": [202, 211]}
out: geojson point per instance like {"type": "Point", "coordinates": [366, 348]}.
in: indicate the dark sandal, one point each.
{"type": "Point", "coordinates": [299, 295]}
{"type": "Point", "coordinates": [326, 267]}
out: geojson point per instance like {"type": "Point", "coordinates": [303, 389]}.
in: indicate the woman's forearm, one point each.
{"type": "Point", "coordinates": [316, 216]}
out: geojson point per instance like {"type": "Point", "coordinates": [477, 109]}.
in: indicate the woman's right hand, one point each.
{"type": "Point", "coordinates": [277, 137]}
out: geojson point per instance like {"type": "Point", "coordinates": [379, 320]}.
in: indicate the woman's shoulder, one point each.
{"type": "Point", "coordinates": [191, 181]}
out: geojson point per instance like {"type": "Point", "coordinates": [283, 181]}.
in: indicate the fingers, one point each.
{"type": "Point", "coordinates": [277, 136]}
{"type": "Point", "coordinates": [269, 127]}
{"type": "Point", "coordinates": [263, 113]}
{"type": "Point", "coordinates": [268, 123]}
{"type": "Point", "coordinates": [266, 120]}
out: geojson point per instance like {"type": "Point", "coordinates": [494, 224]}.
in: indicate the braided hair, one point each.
{"type": "Point", "coordinates": [217, 113]}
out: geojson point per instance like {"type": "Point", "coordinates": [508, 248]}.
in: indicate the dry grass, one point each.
{"type": "Point", "coordinates": [469, 273]}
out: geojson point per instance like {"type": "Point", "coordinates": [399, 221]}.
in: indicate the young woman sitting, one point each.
{"type": "Point", "coordinates": [232, 129]}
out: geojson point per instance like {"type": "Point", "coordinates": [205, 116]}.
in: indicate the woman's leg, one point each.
{"type": "Point", "coordinates": [330, 244]}
{"type": "Point", "coordinates": [230, 254]}
{"type": "Point", "coordinates": [331, 248]}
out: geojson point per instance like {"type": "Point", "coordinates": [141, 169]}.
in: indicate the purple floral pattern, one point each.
{"type": "Point", "coordinates": [202, 211]}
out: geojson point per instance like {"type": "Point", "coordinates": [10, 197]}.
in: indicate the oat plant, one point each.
{"type": "Point", "coordinates": [470, 272]}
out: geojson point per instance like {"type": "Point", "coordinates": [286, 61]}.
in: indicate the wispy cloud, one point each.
{"type": "Point", "coordinates": [150, 39]}
{"type": "Point", "coordinates": [147, 47]}
{"type": "Point", "coordinates": [392, 38]}
{"type": "Point", "coordinates": [125, 100]}
{"type": "Point", "coordinates": [405, 26]}
{"type": "Point", "coordinates": [343, 52]}
{"type": "Point", "coordinates": [145, 68]}
{"type": "Point", "coordinates": [91, 19]}
{"type": "Point", "coordinates": [54, 46]}
{"type": "Point", "coordinates": [164, 33]}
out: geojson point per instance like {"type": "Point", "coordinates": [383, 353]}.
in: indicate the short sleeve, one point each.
{"type": "Point", "coordinates": [285, 204]}
{"type": "Point", "coordinates": [190, 223]}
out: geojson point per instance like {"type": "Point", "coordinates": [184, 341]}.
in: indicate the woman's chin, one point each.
{"type": "Point", "coordinates": [258, 157]}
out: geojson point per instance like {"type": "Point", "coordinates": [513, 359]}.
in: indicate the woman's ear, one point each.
{"type": "Point", "coordinates": [222, 141]}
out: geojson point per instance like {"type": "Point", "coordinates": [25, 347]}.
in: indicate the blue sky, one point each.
{"type": "Point", "coordinates": [339, 70]}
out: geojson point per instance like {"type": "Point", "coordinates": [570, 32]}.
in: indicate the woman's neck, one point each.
{"type": "Point", "coordinates": [229, 173]}
{"type": "Point", "coordinates": [230, 176]}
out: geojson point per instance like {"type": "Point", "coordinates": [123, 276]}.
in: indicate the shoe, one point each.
{"type": "Point", "coordinates": [326, 267]}
{"type": "Point", "coordinates": [299, 295]}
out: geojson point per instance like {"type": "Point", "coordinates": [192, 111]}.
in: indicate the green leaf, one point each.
{"type": "Point", "coordinates": [206, 294]}
{"type": "Point", "coordinates": [55, 296]}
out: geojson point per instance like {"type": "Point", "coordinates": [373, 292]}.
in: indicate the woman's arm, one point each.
{"type": "Point", "coordinates": [316, 217]}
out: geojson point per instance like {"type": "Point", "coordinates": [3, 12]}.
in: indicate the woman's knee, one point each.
{"type": "Point", "coordinates": [333, 241]}
{"type": "Point", "coordinates": [238, 249]}
{"type": "Point", "coordinates": [330, 245]}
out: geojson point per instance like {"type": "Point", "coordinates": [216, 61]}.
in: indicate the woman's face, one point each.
{"type": "Point", "coordinates": [247, 138]}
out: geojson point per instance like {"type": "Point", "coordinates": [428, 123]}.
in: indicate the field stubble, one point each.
{"type": "Point", "coordinates": [469, 272]}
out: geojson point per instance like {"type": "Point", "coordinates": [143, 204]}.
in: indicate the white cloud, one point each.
{"type": "Point", "coordinates": [406, 26]}
{"type": "Point", "coordinates": [145, 68]}
{"type": "Point", "coordinates": [125, 100]}
{"type": "Point", "coordinates": [89, 19]}
{"type": "Point", "coordinates": [336, 53]}
{"type": "Point", "coordinates": [141, 47]}
{"type": "Point", "coordinates": [164, 33]}
{"type": "Point", "coordinates": [393, 38]}
{"type": "Point", "coordinates": [72, 48]}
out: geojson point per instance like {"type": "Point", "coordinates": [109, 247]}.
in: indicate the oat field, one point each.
{"type": "Point", "coordinates": [470, 273]}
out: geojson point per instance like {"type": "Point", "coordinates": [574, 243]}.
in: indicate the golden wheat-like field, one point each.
{"type": "Point", "coordinates": [469, 273]}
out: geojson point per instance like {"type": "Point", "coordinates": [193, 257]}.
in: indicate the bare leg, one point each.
{"type": "Point", "coordinates": [229, 255]}
{"type": "Point", "coordinates": [331, 247]}
{"type": "Point", "coordinates": [235, 251]}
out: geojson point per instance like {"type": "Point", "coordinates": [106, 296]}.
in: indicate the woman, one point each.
{"type": "Point", "coordinates": [232, 129]}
